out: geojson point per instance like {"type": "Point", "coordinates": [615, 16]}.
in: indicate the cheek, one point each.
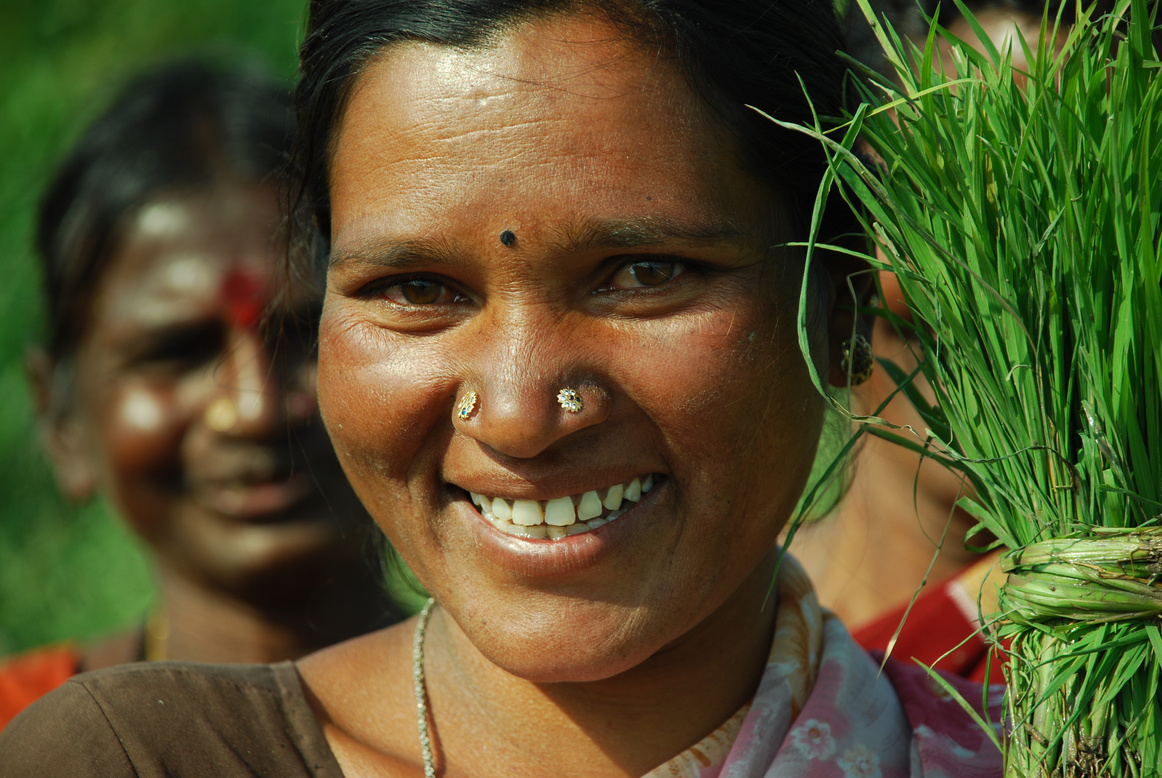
{"type": "Point", "coordinates": [733, 400]}
{"type": "Point", "coordinates": [142, 429]}
{"type": "Point", "coordinates": [727, 378]}
{"type": "Point", "coordinates": [377, 401]}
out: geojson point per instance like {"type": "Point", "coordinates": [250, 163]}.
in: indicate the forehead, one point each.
{"type": "Point", "coordinates": [564, 112]}
{"type": "Point", "coordinates": [174, 252]}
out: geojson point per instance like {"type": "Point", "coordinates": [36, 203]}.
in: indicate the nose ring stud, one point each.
{"type": "Point", "coordinates": [570, 400]}
{"type": "Point", "coordinates": [466, 406]}
{"type": "Point", "coordinates": [221, 415]}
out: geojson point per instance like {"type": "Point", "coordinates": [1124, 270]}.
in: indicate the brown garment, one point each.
{"type": "Point", "coordinates": [171, 719]}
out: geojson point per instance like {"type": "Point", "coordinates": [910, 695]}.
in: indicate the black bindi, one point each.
{"type": "Point", "coordinates": [508, 237]}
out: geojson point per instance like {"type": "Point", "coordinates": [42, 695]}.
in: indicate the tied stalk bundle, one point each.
{"type": "Point", "coordinates": [1021, 217]}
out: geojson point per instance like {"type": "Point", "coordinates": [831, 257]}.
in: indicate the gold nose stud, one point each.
{"type": "Point", "coordinates": [467, 406]}
{"type": "Point", "coordinates": [570, 400]}
{"type": "Point", "coordinates": [221, 415]}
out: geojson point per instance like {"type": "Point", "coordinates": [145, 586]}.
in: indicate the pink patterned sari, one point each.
{"type": "Point", "coordinates": [823, 709]}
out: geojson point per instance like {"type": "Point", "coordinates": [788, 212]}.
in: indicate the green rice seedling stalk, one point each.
{"type": "Point", "coordinates": [1023, 223]}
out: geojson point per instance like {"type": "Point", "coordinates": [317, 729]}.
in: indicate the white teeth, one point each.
{"type": "Point", "coordinates": [539, 532]}
{"type": "Point", "coordinates": [526, 513]}
{"type": "Point", "coordinates": [590, 507]}
{"type": "Point", "coordinates": [633, 492]}
{"type": "Point", "coordinates": [563, 516]}
{"type": "Point", "coordinates": [559, 512]}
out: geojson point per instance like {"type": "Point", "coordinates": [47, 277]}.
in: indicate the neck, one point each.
{"type": "Point", "coordinates": [870, 556]}
{"type": "Point", "coordinates": [204, 624]}
{"type": "Point", "coordinates": [624, 725]}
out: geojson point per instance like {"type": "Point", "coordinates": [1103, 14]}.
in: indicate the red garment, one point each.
{"type": "Point", "coordinates": [942, 621]}
{"type": "Point", "coordinates": [27, 677]}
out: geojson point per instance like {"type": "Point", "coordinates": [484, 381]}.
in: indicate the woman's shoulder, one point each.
{"type": "Point", "coordinates": [171, 718]}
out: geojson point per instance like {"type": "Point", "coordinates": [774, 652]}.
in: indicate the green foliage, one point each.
{"type": "Point", "coordinates": [68, 572]}
{"type": "Point", "coordinates": [1022, 219]}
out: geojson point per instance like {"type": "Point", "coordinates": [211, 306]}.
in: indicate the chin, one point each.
{"type": "Point", "coordinates": [576, 642]}
{"type": "Point", "coordinates": [290, 565]}
{"type": "Point", "coordinates": [570, 667]}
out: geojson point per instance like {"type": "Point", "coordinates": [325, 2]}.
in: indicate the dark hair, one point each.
{"type": "Point", "coordinates": [182, 125]}
{"type": "Point", "coordinates": [769, 54]}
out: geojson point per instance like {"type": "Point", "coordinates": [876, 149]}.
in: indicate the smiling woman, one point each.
{"type": "Point", "coordinates": [586, 439]}
{"type": "Point", "coordinates": [162, 389]}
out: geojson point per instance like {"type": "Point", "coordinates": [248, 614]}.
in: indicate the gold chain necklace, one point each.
{"type": "Point", "coordinates": [155, 637]}
{"type": "Point", "coordinates": [422, 691]}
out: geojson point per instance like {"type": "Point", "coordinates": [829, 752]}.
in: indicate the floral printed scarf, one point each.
{"type": "Point", "coordinates": [824, 709]}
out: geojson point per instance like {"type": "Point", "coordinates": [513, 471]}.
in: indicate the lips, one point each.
{"type": "Point", "coordinates": [259, 500]}
{"type": "Point", "coordinates": [563, 516]}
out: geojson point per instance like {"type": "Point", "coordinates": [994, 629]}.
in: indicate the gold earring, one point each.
{"type": "Point", "coordinates": [466, 406]}
{"type": "Point", "coordinates": [857, 361]}
{"type": "Point", "coordinates": [570, 400]}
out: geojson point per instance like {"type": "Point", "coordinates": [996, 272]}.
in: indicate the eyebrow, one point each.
{"type": "Point", "coordinates": [400, 256]}
{"type": "Point", "coordinates": [646, 231]}
{"type": "Point", "coordinates": [587, 235]}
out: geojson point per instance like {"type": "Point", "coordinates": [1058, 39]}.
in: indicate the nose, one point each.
{"type": "Point", "coordinates": [250, 395]}
{"type": "Point", "coordinates": [517, 382]}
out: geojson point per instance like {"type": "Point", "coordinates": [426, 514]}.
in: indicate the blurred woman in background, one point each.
{"type": "Point", "coordinates": [901, 501]}
{"type": "Point", "coordinates": [165, 389]}
{"type": "Point", "coordinates": [896, 498]}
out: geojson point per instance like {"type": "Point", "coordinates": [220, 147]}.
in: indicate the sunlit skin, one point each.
{"type": "Point", "coordinates": [642, 275]}
{"type": "Point", "coordinates": [185, 419]}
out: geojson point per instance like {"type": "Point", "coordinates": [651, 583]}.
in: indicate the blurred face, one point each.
{"type": "Point", "coordinates": [202, 433]}
{"type": "Point", "coordinates": [557, 211]}
{"type": "Point", "coordinates": [1005, 27]}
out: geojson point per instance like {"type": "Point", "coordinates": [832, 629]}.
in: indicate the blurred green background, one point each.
{"type": "Point", "coordinates": [67, 571]}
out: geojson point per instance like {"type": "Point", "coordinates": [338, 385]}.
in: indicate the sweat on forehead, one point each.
{"type": "Point", "coordinates": [725, 51]}
{"type": "Point", "coordinates": [550, 59]}
{"type": "Point", "coordinates": [426, 119]}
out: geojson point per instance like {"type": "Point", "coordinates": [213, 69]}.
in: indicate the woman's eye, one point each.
{"type": "Point", "coordinates": [419, 291]}
{"type": "Point", "coordinates": [187, 346]}
{"type": "Point", "coordinates": [646, 273]}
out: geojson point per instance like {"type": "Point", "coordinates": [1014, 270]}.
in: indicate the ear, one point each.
{"type": "Point", "coordinates": [854, 285]}
{"type": "Point", "coordinates": [60, 432]}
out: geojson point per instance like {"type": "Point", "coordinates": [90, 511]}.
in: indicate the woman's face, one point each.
{"type": "Point", "coordinates": [640, 276]}
{"type": "Point", "coordinates": [204, 436]}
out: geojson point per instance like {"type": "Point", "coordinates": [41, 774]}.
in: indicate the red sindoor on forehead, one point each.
{"type": "Point", "coordinates": [245, 294]}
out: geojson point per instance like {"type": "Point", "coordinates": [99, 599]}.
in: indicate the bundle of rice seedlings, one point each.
{"type": "Point", "coordinates": [1022, 221]}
